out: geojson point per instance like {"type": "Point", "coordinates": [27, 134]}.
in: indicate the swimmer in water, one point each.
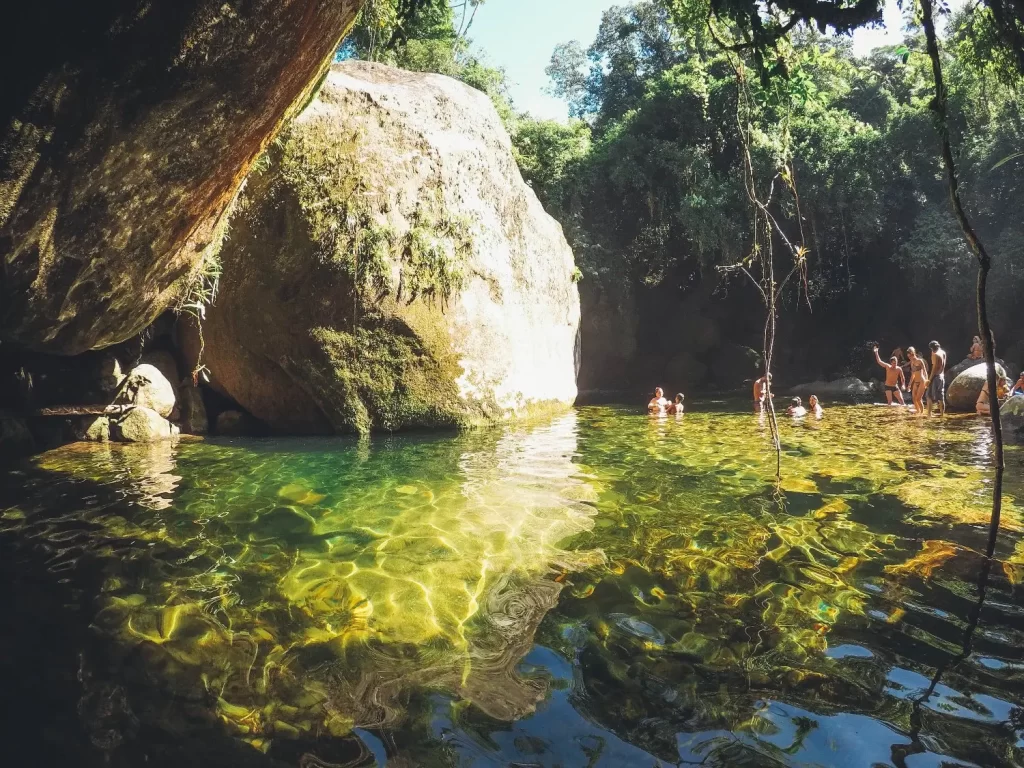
{"type": "Point", "coordinates": [658, 403]}
{"type": "Point", "coordinates": [676, 406]}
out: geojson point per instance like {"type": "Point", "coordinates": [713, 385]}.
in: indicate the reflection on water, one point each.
{"type": "Point", "coordinates": [603, 589]}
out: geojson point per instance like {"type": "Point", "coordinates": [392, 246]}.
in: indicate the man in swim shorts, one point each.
{"type": "Point", "coordinates": [895, 381]}
{"type": "Point", "coordinates": [761, 393]}
{"type": "Point", "coordinates": [936, 393]}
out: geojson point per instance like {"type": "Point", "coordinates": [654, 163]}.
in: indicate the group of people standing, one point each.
{"type": "Point", "coordinates": [927, 383]}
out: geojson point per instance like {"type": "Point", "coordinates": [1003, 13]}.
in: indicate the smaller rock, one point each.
{"type": "Point", "coordinates": [143, 425]}
{"type": "Point", "coordinates": [1011, 416]}
{"type": "Point", "coordinates": [15, 439]}
{"type": "Point", "coordinates": [147, 387]}
{"type": "Point", "coordinates": [962, 393]}
{"type": "Point", "coordinates": [236, 424]}
{"type": "Point", "coordinates": [194, 420]}
{"type": "Point", "coordinates": [94, 429]}
{"type": "Point", "coordinates": [848, 386]}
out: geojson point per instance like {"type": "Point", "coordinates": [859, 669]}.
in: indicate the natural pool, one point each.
{"type": "Point", "coordinates": [599, 589]}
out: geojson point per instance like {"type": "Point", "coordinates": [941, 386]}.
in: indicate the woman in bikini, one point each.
{"type": "Point", "coordinates": [977, 349]}
{"type": "Point", "coordinates": [918, 380]}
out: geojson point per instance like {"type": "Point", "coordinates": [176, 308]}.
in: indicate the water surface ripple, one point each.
{"type": "Point", "coordinates": [602, 588]}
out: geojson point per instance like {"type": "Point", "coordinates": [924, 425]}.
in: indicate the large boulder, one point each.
{"type": "Point", "coordinates": [962, 392]}
{"type": "Point", "coordinates": [147, 387]}
{"type": "Point", "coordinates": [126, 129]}
{"type": "Point", "coordinates": [390, 268]}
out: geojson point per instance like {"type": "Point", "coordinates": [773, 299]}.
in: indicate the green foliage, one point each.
{"type": "Point", "coordinates": [653, 194]}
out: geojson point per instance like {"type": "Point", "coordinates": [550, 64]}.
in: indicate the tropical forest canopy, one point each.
{"type": "Point", "coordinates": [649, 177]}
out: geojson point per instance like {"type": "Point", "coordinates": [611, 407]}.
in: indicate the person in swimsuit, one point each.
{"type": "Point", "coordinates": [936, 393]}
{"type": "Point", "coordinates": [894, 379]}
{"type": "Point", "coordinates": [814, 406]}
{"type": "Point", "coordinates": [761, 393]}
{"type": "Point", "coordinates": [977, 349]}
{"type": "Point", "coordinates": [796, 408]}
{"type": "Point", "coordinates": [918, 380]}
{"type": "Point", "coordinates": [676, 406]}
{"type": "Point", "coordinates": [658, 403]}
{"type": "Point", "coordinates": [983, 406]}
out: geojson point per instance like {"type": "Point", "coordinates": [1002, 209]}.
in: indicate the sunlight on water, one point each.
{"type": "Point", "coordinates": [601, 589]}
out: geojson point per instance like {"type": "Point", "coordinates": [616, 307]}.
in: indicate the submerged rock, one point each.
{"type": "Point", "coordinates": [146, 387]}
{"type": "Point", "coordinates": [143, 425]}
{"type": "Point", "coordinates": [391, 268]}
{"type": "Point", "coordinates": [962, 392]}
{"type": "Point", "coordinates": [94, 429]}
{"type": "Point", "coordinates": [126, 128]}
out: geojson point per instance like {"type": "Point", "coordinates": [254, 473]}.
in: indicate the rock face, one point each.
{"type": "Point", "coordinates": [391, 269]}
{"type": "Point", "coordinates": [850, 386]}
{"type": "Point", "coordinates": [126, 129]}
{"type": "Point", "coordinates": [962, 393]}
{"type": "Point", "coordinates": [194, 420]}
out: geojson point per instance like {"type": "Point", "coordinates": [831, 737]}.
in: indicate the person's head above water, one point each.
{"type": "Point", "coordinates": [934, 346]}
{"type": "Point", "coordinates": [796, 402]}
{"type": "Point", "coordinates": [813, 401]}
{"type": "Point", "coordinates": [659, 392]}
{"type": "Point", "coordinates": [679, 397]}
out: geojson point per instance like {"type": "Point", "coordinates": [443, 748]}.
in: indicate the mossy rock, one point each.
{"type": "Point", "coordinates": [388, 268]}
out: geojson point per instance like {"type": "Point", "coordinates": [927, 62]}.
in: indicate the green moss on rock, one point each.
{"type": "Point", "coordinates": [381, 378]}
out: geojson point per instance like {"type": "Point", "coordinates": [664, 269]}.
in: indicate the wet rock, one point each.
{"type": "Point", "coordinates": [194, 420]}
{"type": "Point", "coordinates": [282, 522]}
{"type": "Point", "coordinates": [142, 425]}
{"type": "Point", "coordinates": [94, 429]}
{"type": "Point", "coordinates": [1011, 416]}
{"type": "Point", "coordinates": [147, 387]}
{"type": "Point", "coordinates": [850, 386]}
{"type": "Point", "coordinates": [962, 392]}
{"type": "Point", "coordinates": [15, 439]}
{"type": "Point", "coordinates": [128, 127]}
{"type": "Point", "coordinates": [466, 309]}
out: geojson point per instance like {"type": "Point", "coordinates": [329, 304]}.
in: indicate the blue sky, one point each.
{"type": "Point", "coordinates": [520, 35]}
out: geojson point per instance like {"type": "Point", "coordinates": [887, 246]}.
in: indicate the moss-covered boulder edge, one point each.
{"type": "Point", "coordinates": [387, 268]}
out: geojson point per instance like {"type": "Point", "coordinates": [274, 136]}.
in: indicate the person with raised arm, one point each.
{"type": "Point", "coordinates": [894, 379]}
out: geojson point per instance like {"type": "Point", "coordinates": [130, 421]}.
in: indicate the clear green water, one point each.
{"type": "Point", "coordinates": [599, 589]}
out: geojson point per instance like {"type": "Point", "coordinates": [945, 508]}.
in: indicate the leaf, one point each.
{"type": "Point", "coordinates": [1007, 159]}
